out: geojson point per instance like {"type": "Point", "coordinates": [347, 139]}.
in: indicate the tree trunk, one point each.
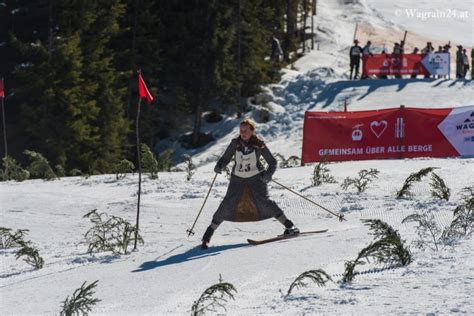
{"type": "Point", "coordinates": [290, 28]}
{"type": "Point", "coordinates": [305, 16]}
{"type": "Point", "coordinates": [197, 122]}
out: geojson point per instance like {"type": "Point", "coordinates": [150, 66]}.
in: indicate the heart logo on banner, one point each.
{"type": "Point", "coordinates": [378, 127]}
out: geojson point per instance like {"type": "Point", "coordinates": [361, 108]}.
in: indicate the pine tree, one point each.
{"type": "Point", "coordinates": [100, 68]}
{"type": "Point", "coordinates": [137, 47]}
{"type": "Point", "coordinates": [71, 107]}
{"type": "Point", "coordinates": [57, 115]}
{"type": "Point", "coordinates": [257, 30]}
{"type": "Point", "coordinates": [199, 64]}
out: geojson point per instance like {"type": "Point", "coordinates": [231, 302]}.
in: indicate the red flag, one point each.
{"type": "Point", "coordinates": [143, 90]}
{"type": "Point", "coordinates": [2, 91]}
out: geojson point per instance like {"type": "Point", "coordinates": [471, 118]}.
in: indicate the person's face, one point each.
{"type": "Point", "coordinates": [245, 132]}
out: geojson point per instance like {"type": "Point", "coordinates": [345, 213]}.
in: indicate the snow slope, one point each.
{"type": "Point", "coordinates": [168, 273]}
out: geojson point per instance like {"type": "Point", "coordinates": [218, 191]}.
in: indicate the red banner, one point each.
{"type": "Point", "coordinates": [388, 134]}
{"type": "Point", "coordinates": [406, 64]}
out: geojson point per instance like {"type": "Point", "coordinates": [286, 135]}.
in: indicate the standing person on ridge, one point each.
{"type": "Point", "coordinates": [459, 63]}
{"type": "Point", "coordinates": [365, 54]}
{"type": "Point", "coordinates": [247, 197]}
{"type": "Point", "coordinates": [466, 63]}
{"type": "Point", "coordinates": [355, 54]}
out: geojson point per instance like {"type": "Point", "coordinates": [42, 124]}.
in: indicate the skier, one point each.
{"type": "Point", "coordinates": [459, 63]}
{"type": "Point", "coordinates": [354, 55]}
{"type": "Point", "coordinates": [247, 197]}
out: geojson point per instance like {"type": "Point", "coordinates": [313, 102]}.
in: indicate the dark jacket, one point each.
{"type": "Point", "coordinates": [237, 144]}
{"type": "Point", "coordinates": [247, 199]}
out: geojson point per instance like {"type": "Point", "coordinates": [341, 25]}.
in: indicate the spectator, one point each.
{"type": "Point", "coordinates": [397, 49]}
{"type": "Point", "coordinates": [446, 49]}
{"type": "Point", "coordinates": [472, 63]}
{"type": "Point", "coordinates": [459, 63]}
{"type": "Point", "coordinates": [366, 49]}
{"type": "Point", "coordinates": [466, 62]}
{"type": "Point", "coordinates": [277, 52]}
{"type": "Point", "coordinates": [354, 55]}
{"type": "Point", "coordinates": [365, 53]}
{"type": "Point", "coordinates": [415, 51]}
{"type": "Point", "coordinates": [428, 49]}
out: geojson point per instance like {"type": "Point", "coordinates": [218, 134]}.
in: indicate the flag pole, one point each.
{"type": "Point", "coordinates": [142, 93]}
{"type": "Point", "coordinates": [137, 133]}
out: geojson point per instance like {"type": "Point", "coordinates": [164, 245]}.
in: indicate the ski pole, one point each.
{"type": "Point", "coordinates": [190, 231]}
{"type": "Point", "coordinates": [340, 216]}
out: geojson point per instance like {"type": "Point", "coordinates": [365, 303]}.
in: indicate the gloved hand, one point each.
{"type": "Point", "coordinates": [218, 168]}
{"type": "Point", "coordinates": [266, 177]}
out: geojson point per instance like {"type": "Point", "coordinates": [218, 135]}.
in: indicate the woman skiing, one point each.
{"type": "Point", "coordinates": [247, 197]}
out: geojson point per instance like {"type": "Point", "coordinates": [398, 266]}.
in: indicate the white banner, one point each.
{"type": "Point", "coordinates": [437, 63]}
{"type": "Point", "coordinates": [458, 128]}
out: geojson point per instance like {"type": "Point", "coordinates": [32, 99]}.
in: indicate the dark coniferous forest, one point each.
{"type": "Point", "coordinates": [70, 70]}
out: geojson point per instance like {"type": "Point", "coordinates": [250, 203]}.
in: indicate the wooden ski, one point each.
{"type": "Point", "coordinates": [283, 237]}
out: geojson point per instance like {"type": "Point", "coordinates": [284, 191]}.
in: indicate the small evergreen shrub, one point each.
{"type": "Point", "coordinates": [360, 183]}
{"type": "Point", "coordinates": [148, 161]}
{"type": "Point", "coordinates": [321, 173]}
{"type": "Point", "coordinates": [164, 160]}
{"type": "Point", "coordinates": [122, 168]}
{"type": "Point", "coordinates": [429, 234]}
{"type": "Point", "coordinates": [12, 170]}
{"type": "Point", "coordinates": [75, 172]}
{"type": "Point", "coordinates": [213, 298]}
{"type": "Point", "coordinates": [11, 240]}
{"type": "Point", "coordinates": [39, 167]}
{"type": "Point", "coordinates": [320, 277]}
{"type": "Point", "coordinates": [439, 189]}
{"type": "Point", "coordinates": [412, 178]}
{"type": "Point", "coordinates": [190, 167]}
{"type": "Point", "coordinates": [59, 170]}
{"type": "Point", "coordinates": [292, 161]}
{"type": "Point", "coordinates": [81, 300]}
{"type": "Point", "coordinates": [463, 221]}
{"type": "Point", "coordinates": [29, 254]}
{"type": "Point", "coordinates": [388, 249]}
{"type": "Point", "coordinates": [113, 234]}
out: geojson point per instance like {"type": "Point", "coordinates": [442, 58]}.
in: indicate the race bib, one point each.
{"type": "Point", "coordinates": [246, 165]}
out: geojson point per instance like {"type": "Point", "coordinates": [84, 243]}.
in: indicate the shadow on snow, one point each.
{"type": "Point", "coordinates": [191, 254]}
